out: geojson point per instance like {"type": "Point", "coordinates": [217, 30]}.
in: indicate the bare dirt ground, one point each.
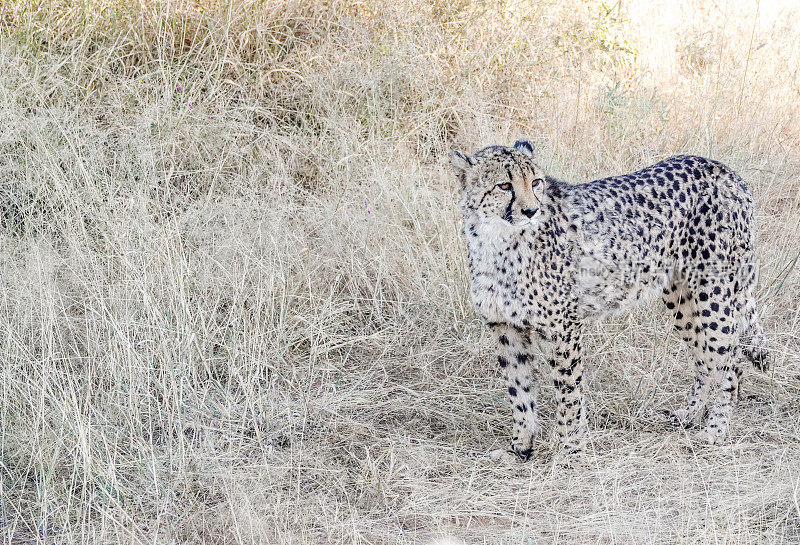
{"type": "Point", "coordinates": [234, 298]}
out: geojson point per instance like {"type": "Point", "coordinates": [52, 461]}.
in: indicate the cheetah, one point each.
{"type": "Point", "coordinates": [547, 256]}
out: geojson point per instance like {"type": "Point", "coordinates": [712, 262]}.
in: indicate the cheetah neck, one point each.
{"type": "Point", "coordinates": [502, 258]}
{"type": "Point", "coordinates": [491, 241]}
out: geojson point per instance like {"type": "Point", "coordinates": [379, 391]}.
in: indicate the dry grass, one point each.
{"type": "Point", "coordinates": [233, 304]}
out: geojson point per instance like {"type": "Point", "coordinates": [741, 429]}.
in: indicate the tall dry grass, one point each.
{"type": "Point", "coordinates": [233, 304]}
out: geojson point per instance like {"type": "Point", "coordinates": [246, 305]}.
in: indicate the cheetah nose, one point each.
{"type": "Point", "coordinates": [529, 212]}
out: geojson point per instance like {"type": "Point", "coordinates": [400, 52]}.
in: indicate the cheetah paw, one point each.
{"type": "Point", "coordinates": [680, 418]}
{"type": "Point", "coordinates": [709, 437]}
{"type": "Point", "coordinates": [569, 459]}
{"type": "Point", "coordinates": [503, 456]}
{"type": "Point", "coordinates": [509, 456]}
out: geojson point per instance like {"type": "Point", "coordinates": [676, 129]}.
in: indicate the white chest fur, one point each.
{"type": "Point", "coordinates": [494, 279]}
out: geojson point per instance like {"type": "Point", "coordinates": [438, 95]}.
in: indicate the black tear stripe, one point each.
{"type": "Point", "coordinates": [507, 215]}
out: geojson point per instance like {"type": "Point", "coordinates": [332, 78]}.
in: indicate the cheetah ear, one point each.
{"type": "Point", "coordinates": [525, 147]}
{"type": "Point", "coordinates": [461, 163]}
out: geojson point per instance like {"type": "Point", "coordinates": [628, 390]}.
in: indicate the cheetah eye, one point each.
{"type": "Point", "coordinates": [505, 187]}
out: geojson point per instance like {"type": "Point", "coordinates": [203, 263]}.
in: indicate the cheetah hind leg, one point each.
{"type": "Point", "coordinates": [681, 306]}
{"type": "Point", "coordinates": [720, 321]}
{"type": "Point", "coordinates": [727, 396]}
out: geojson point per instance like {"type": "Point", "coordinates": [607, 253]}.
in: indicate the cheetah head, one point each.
{"type": "Point", "coordinates": [501, 184]}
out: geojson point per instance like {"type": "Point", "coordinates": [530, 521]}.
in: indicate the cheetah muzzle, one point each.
{"type": "Point", "coordinates": [546, 256]}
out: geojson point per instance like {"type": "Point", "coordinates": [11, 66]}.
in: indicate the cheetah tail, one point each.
{"type": "Point", "coordinates": [755, 346]}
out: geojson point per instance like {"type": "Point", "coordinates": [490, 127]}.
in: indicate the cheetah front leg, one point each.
{"type": "Point", "coordinates": [517, 362]}
{"type": "Point", "coordinates": [567, 373]}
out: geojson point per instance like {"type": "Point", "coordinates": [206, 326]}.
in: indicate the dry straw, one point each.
{"type": "Point", "coordinates": [233, 304]}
